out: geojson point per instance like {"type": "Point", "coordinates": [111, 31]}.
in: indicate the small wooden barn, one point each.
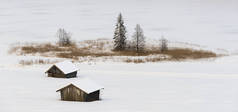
{"type": "Point", "coordinates": [65, 69]}
{"type": "Point", "coordinates": [83, 90]}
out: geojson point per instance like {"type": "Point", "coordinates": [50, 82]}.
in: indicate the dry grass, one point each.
{"type": "Point", "coordinates": [44, 48]}
{"type": "Point", "coordinates": [180, 54]}
{"type": "Point", "coordinates": [102, 48]}
{"type": "Point", "coordinates": [36, 61]}
{"type": "Point", "coordinates": [129, 60]}
{"type": "Point", "coordinates": [174, 55]}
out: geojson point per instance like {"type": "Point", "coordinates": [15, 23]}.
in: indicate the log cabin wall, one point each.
{"type": "Point", "coordinates": [72, 93]}
{"type": "Point", "coordinates": [55, 72]}
{"type": "Point", "coordinates": [93, 96]}
{"type": "Point", "coordinates": [71, 75]}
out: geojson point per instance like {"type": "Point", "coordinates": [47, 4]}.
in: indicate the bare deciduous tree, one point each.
{"type": "Point", "coordinates": [64, 37]}
{"type": "Point", "coordinates": [163, 44]}
{"type": "Point", "coordinates": [138, 39]}
{"type": "Point", "coordinates": [120, 34]}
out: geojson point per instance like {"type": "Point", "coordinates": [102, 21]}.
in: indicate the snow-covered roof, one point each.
{"type": "Point", "coordinates": [86, 85]}
{"type": "Point", "coordinates": [66, 67]}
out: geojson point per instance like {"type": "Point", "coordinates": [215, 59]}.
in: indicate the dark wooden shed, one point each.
{"type": "Point", "coordinates": [64, 69]}
{"type": "Point", "coordinates": [84, 90]}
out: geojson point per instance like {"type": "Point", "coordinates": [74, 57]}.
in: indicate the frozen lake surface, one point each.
{"type": "Point", "coordinates": [211, 23]}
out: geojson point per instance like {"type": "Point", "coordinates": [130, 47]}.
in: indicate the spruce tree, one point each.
{"type": "Point", "coordinates": [163, 44]}
{"type": "Point", "coordinates": [138, 39]}
{"type": "Point", "coordinates": [120, 34]}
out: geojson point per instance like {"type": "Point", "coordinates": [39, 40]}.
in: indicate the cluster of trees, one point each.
{"type": "Point", "coordinates": [163, 44]}
{"type": "Point", "coordinates": [138, 39]}
{"type": "Point", "coordinates": [64, 37]}
{"type": "Point", "coordinates": [120, 39]}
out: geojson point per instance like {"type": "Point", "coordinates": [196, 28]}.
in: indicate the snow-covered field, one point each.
{"type": "Point", "coordinates": [166, 87]}
{"type": "Point", "coordinates": [191, 86]}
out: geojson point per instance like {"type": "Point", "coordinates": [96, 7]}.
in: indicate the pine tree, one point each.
{"type": "Point", "coordinates": [120, 34]}
{"type": "Point", "coordinates": [138, 39]}
{"type": "Point", "coordinates": [163, 44]}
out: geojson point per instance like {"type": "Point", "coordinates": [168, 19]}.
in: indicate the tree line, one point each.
{"type": "Point", "coordinates": [138, 38]}
{"type": "Point", "coordinates": [137, 43]}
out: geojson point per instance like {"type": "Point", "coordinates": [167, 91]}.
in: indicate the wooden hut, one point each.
{"type": "Point", "coordinates": [65, 69]}
{"type": "Point", "coordinates": [83, 90]}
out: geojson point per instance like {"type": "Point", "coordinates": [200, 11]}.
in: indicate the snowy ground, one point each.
{"type": "Point", "coordinates": [191, 86]}
{"type": "Point", "coordinates": [166, 87]}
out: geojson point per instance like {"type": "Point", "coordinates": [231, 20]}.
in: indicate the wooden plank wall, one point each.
{"type": "Point", "coordinates": [55, 72]}
{"type": "Point", "coordinates": [72, 93]}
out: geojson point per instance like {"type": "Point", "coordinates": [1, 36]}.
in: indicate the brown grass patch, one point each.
{"type": "Point", "coordinates": [36, 61]}
{"type": "Point", "coordinates": [173, 55]}
{"type": "Point", "coordinates": [180, 54]}
{"type": "Point", "coordinates": [128, 60]}
{"type": "Point", "coordinates": [102, 48]}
